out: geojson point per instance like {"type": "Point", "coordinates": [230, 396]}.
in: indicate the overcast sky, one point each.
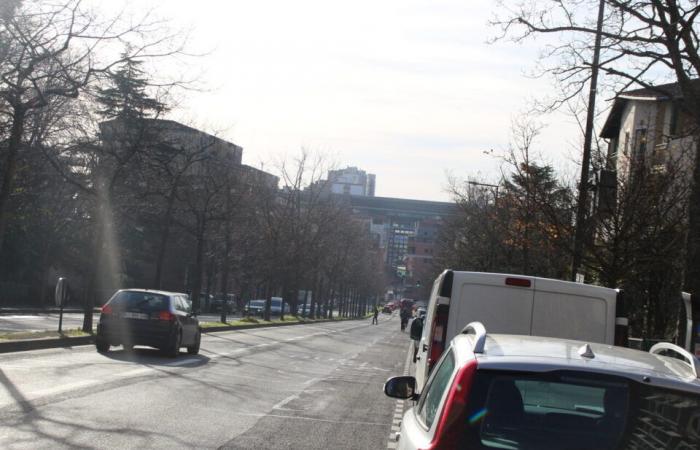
{"type": "Point", "coordinates": [405, 89]}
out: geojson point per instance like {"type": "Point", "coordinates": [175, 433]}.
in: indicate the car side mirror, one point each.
{"type": "Point", "coordinates": [401, 387]}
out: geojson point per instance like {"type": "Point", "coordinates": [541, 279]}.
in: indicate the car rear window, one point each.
{"type": "Point", "coordinates": [577, 411]}
{"type": "Point", "coordinates": [139, 301]}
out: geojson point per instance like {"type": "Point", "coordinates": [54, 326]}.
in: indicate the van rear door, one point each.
{"type": "Point", "coordinates": [503, 303]}
{"type": "Point", "coordinates": [569, 310]}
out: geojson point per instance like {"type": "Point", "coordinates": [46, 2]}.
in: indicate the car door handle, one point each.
{"type": "Point", "coordinates": [425, 347]}
{"type": "Point", "coordinates": [418, 358]}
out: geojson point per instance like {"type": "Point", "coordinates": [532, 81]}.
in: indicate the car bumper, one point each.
{"type": "Point", "coordinates": [157, 335]}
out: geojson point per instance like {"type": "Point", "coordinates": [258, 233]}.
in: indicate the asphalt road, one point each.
{"type": "Point", "coordinates": [42, 322]}
{"type": "Point", "coordinates": [309, 386]}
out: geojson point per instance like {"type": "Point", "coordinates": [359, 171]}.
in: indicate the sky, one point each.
{"type": "Point", "coordinates": [409, 90]}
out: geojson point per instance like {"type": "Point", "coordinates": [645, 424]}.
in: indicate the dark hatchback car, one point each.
{"type": "Point", "coordinates": [159, 319]}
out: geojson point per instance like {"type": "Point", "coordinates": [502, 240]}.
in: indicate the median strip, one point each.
{"type": "Point", "coordinates": [37, 340]}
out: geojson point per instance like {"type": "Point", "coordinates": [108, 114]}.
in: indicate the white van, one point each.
{"type": "Point", "coordinates": [516, 304]}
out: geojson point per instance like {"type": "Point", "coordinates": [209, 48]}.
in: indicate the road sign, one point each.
{"type": "Point", "coordinates": [61, 297]}
{"type": "Point", "coordinates": [61, 294]}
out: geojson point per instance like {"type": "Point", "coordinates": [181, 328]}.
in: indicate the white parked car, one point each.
{"type": "Point", "coordinates": [527, 392]}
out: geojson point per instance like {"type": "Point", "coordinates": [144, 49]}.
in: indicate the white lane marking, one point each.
{"type": "Point", "coordinates": [315, 419]}
{"type": "Point", "coordinates": [400, 405]}
{"type": "Point", "coordinates": [281, 403]}
{"type": "Point", "coordinates": [311, 381]}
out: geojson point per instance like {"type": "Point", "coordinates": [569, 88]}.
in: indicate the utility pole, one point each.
{"type": "Point", "coordinates": [582, 204]}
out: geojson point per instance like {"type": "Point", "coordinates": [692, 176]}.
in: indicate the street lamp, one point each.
{"type": "Point", "coordinates": [475, 183]}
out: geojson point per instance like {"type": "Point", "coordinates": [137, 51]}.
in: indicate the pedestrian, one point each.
{"type": "Point", "coordinates": [416, 333]}
{"type": "Point", "coordinates": [375, 320]}
{"type": "Point", "coordinates": [404, 318]}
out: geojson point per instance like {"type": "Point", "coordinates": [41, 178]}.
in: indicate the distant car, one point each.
{"type": "Point", "coordinates": [387, 310]}
{"type": "Point", "coordinates": [159, 319]}
{"type": "Point", "coordinates": [276, 306]}
{"type": "Point", "coordinates": [527, 392]}
{"type": "Point", "coordinates": [255, 307]}
{"type": "Point", "coordinates": [304, 309]}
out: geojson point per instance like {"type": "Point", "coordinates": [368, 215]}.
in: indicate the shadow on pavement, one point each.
{"type": "Point", "coordinates": [154, 357]}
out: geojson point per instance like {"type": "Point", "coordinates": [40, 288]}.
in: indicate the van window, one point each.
{"type": "Point", "coordinates": [430, 400]}
{"type": "Point", "coordinates": [577, 410]}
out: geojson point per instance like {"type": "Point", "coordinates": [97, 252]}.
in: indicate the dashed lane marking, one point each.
{"type": "Point", "coordinates": [399, 408]}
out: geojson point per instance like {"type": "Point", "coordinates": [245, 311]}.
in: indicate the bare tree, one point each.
{"type": "Point", "coordinates": [53, 50]}
{"type": "Point", "coordinates": [642, 42]}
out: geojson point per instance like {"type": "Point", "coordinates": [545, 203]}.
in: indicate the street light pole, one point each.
{"type": "Point", "coordinates": [582, 204]}
{"type": "Point", "coordinates": [496, 186]}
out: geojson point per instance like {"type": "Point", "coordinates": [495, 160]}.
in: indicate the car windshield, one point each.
{"type": "Point", "coordinates": [139, 301]}
{"type": "Point", "coordinates": [257, 303]}
{"type": "Point", "coordinates": [576, 411]}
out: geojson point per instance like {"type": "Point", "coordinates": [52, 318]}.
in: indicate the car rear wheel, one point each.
{"type": "Point", "coordinates": [194, 349]}
{"type": "Point", "coordinates": [101, 345]}
{"type": "Point", "coordinates": [174, 350]}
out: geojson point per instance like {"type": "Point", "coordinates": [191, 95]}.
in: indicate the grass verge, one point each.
{"type": "Point", "coordinates": [248, 321]}
{"type": "Point", "coordinates": [24, 335]}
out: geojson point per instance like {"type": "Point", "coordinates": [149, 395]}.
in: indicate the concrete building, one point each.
{"type": "Point", "coordinates": [351, 181]}
{"type": "Point", "coordinates": [402, 229]}
{"type": "Point", "coordinates": [648, 128]}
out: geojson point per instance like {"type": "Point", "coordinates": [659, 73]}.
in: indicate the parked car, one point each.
{"type": "Point", "coordinates": [304, 309]}
{"type": "Point", "coordinates": [255, 307]}
{"type": "Point", "coordinates": [159, 319]}
{"type": "Point", "coordinates": [527, 392]}
{"type": "Point", "coordinates": [276, 306]}
{"type": "Point", "coordinates": [517, 304]}
{"type": "Point", "coordinates": [387, 310]}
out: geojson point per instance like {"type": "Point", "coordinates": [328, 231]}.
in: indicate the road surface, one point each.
{"type": "Point", "coordinates": [309, 386]}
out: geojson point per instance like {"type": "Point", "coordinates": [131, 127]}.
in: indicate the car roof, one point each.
{"type": "Point", "coordinates": [542, 354]}
{"type": "Point", "coordinates": [152, 291]}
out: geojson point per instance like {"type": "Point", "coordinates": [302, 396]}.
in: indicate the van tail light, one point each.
{"type": "Point", "coordinates": [438, 335]}
{"type": "Point", "coordinates": [166, 315]}
{"type": "Point", "coordinates": [450, 427]}
{"type": "Point", "coordinates": [520, 282]}
{"type": "Point", "coordinates": [106, 310]}
{"type": "Point", "coordinates": [621, 321]}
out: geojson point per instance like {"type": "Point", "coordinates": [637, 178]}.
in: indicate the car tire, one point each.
{"type": "Point", "coordinates": [174, 349]}
{"type": "Point", "coordinates": [101, 345]}
{"type": "Point", "coordinates": [194, 349]}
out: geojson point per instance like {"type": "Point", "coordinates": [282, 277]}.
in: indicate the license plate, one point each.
{"type": "Point", "coordinates": [134, 315]}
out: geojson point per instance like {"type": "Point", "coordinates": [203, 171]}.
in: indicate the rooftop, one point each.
{"type": "Point", "coordinates": [533, 353]}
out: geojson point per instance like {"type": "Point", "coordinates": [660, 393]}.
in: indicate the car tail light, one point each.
{"type": "Point", "coordinates": [449, 430]}
{"type": "Point", "coordinates": [520, 282]}
{"type": "Point", "coordinates": [106, 310]}
{"type": "Point", "coordinates": [438, 334]}
{"type": "Point", "coordinates": [166, 315]}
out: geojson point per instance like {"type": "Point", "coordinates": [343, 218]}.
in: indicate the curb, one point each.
{"type": "Point", "coordinates": [39, 344]}
{"type": "Point", "coordinates": [10, 311]}
{"type": "Point", "coordinates": [67, 342]}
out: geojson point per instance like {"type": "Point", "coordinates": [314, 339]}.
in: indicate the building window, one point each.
{"type": "Point", "coordinates": [673, 125]}
{"type": "Point", "coordinates": [640, 145]}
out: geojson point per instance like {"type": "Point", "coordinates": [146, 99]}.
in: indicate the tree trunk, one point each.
{"type": "Point", "coordinates": [197, 275]}
{"type": "Point", "coordinates": [10, 169]}
{"type": "Point", "coordinates": [165, 236]}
